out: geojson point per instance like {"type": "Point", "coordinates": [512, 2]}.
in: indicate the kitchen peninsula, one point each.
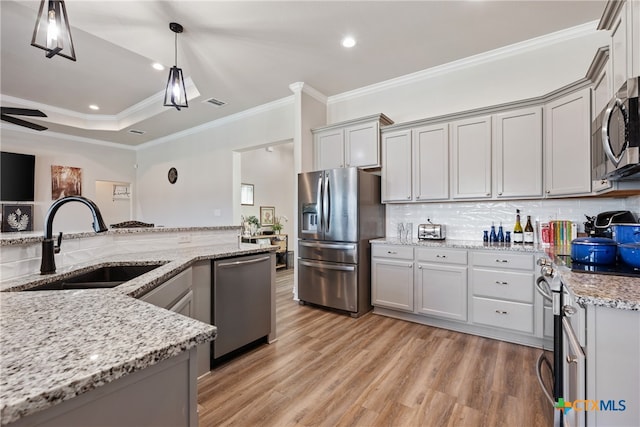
{"type": "Point", "coordinates": [69, 354]}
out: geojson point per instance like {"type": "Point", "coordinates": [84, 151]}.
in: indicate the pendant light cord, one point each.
{"type": "Point", "coordinates": [176, 49]}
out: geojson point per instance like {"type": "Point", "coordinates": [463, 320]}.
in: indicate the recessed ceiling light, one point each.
{"type": "Point", "coordinates": [94, 107]}
{"type": "Point", "coordinates": [158, 66]}
{"type": "Point", "coordinates": [348, 41]}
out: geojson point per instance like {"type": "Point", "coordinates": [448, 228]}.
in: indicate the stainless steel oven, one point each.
{"type": "Point", "coordinates": [568, 362]}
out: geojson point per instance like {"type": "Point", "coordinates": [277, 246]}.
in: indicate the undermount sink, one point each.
{"type": "Point", "coordinates": [102, 277]}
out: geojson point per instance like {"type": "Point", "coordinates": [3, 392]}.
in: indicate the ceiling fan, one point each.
{"type": "Point", "coordinates": [6, 114]}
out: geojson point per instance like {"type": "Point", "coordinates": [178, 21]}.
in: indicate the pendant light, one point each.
{"type": "Point", "coordinates": [52, 32]}
{"type": "Point", "coordinates": [175, 95]}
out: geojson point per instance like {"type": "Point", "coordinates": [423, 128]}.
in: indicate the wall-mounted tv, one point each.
{"type": "Point", "coordinates": [17, 177]}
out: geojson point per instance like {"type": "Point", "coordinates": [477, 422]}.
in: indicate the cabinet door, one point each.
{"type": "Point", "coordinates": [431, 162]}
{"type": "Point", "coordinates": [396, 166]}
{"type": "Point", "coordinates": [362, 145]}
{"type": "Point", "coordinates": [518, 153]}
{"type": "Point", "coordinates": [329, 149]}
{"type": "Point", "coordinates": [442, 291]}
{"type": "Point", "coordinates": [619, 44]}
{"type": "Point", "coordinates": [567, 145]}
{"type": "Point", "coordinates": [471, 158]}
{"type": "Point", "coordinates": [392, 284]}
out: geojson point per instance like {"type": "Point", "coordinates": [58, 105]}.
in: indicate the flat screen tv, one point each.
{"type": "Point", "coordinates": [17, 177]}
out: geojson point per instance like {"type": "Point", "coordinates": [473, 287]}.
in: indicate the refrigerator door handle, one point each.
{"type": "Point", "coordinates": [327, 245]}
{"type": "Point", "coordinates": [328, 266]}
{"type": "Point", "coordinates": [319, 199]}
{"type": "Point", "coordinates": [326, 204]}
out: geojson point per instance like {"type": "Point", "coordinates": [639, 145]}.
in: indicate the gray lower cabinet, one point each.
{"type": "Point", "coordinates": [503, 291]}
{"type": "Point", "coordinates": [613, 366]}
{"type": "Point", "coordinates": [441, 283]}
{"type": "Point", "coordinates": [483, 292]}
{"type": "Point", "coordinates": [392, 277]}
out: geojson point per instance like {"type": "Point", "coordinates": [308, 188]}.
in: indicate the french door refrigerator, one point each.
{"type": "Point", "coordinates": [339, 212]}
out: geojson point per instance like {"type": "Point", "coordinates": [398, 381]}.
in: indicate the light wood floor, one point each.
{"type": "Point", "coordinates": [328, 369]}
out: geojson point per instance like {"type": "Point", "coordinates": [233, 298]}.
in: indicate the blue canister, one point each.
{"type": "Point", "coordinates": [626, 233]}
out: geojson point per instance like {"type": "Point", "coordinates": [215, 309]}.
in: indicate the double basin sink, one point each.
{"type": "Point", "coordinates": [101, 277]}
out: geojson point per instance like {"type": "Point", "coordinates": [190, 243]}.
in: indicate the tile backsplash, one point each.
{"type": "Point", "coordinates": [467, 220]}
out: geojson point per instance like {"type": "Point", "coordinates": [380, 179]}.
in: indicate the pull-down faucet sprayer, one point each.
{"type": "Point", "coordinates": [49, 249]}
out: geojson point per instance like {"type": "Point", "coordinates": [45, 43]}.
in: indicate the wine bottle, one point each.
{"type": "Point", "coordinates": [528, 232]}
{"type": "Point", "coordinates": [518, 235]}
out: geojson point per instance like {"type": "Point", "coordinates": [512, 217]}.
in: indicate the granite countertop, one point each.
{"type": "Point", "coordinates": [460, 244]}
{"type": "Point", "coordinates": [605, 290]}
{"type": "Point", "coordinates": [58, 344]}
{"type": "Point", "coordinates": [10, 239]}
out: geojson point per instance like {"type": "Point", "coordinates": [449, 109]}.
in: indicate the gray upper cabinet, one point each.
{"type": "Point", "coordinates": [355, 143]}
{"type": "Point", "coordinates": [431, 162]}
{"type": "Point", "coordinates": [416, 164]}
{"type": "Point", "coordinates": [518, 153]}
{"type": "Point", "coordinates": [396, 172]}
{"type": "Point", "coordinates": [567, 162]}
{"type": "Point", "coordinates": [471, 158]}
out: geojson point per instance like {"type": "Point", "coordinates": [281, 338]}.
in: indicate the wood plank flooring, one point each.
{"type": "Point", "coordinates": [328, 369]}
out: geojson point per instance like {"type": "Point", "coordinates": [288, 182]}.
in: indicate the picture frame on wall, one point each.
{"type": "Point", "coordinates": [246, 194]}
{"type": "Point", "coordinates": [65, 181]}
{"type": "Point", "coordinates": [17, 218]}
{"type": "Point", "coordinates": [267, 215]}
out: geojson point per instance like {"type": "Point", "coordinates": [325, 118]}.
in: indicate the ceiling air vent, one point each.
{"type": "Point", "coordinates": [215, 102]}
{"type": "Point", "coordinates": [136, 132]}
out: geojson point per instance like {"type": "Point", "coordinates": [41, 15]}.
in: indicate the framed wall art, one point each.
{"type": "Point", "coordinates": [267, 215]}
{"type": "Point", "coordinates": [65, 181]}
{"type": "Point", "coordinates": [18, 217]}
{"type": "Point", "coordinates": [246, 194]}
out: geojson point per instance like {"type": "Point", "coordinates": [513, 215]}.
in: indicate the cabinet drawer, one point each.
{"type": "Point", "coordinates": [503, 259]}
{"type": "Point", "coordinates": [503, 314]}
{"type": "Point", "coordinates": [448, 256]}
{"type": "Point", "coordinates": [503, 284]}
{"type": "Point", "coordinates": [392, 251]}
{"type": "Point", "coordinates": [167, 294]}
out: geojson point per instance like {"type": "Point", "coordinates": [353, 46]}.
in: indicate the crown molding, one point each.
{"type": "Point", "coordinates": [471, 61]}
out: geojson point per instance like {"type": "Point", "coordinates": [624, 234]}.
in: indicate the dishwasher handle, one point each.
{"type": "Point", "coordinates": [239, 263]}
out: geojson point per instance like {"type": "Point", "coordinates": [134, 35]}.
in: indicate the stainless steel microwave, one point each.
{"type": "Point", "coordinates": [615, 136]}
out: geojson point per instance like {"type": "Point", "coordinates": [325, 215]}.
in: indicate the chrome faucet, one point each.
{"type": "Point", "coordinates": [49, 249]}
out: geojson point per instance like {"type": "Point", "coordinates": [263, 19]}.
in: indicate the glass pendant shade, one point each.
{"type": "Point", "coordinates": [175, 94]}
{"type": "Point", "coordinates": [51, 32]}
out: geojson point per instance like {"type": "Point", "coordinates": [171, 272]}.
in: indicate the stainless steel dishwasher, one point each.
{"type": "Point", "coordinates": [240, 301]}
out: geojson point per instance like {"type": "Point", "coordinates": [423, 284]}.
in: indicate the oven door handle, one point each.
{"type": "Point", "coordinates": [542, 360]}
{"type": "Point", "coordinates": [545, 294]}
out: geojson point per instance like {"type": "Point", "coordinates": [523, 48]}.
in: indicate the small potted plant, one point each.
{"type": "Point", "coordinates": [254, 223]}
{"type": "Point", "coordinates": [277, 224]}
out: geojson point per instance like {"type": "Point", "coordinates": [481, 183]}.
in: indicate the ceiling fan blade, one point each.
{"type": "Point", "coordinates": [21, 122]}
{"type": "Point", "coordinates": [22, 112]}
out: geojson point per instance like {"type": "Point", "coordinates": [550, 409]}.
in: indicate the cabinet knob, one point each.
{"type": "Point", "coordinates": [500, 193]}
{"type": "Point", "coordinates": [502, 260]}
{"type": "Point", "coordinates": [392, 252]}
{"type": "Point", "coordinates": [408, 197]}
{"type": "Point", "coordinates": [548, 191]}
{"type": "Point", "coordinates": [488, 194]}
{"type": "Point", "coordinates": [498, 282]}
{"type": "Point", "coordinates": [501, 312]}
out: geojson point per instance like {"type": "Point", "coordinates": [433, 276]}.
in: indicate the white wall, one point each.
{"type": "Point", "coordinates": [98, 162]}
{"type": "Point", "coordinates": [271, 173]}
{"type": "Point", "coordinates": [207, 183]}
{"type": "Point", "coordinates": [528, 70]}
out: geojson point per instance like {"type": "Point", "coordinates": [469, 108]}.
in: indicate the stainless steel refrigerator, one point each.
{"type": "Point", "coordinates": [339, 212]}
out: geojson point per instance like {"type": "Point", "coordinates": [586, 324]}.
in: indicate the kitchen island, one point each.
{"type": "Point", "coordinates": [78, 353]}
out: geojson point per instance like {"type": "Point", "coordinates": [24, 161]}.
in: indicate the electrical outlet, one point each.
{"type": "Point", "coordinates": [184, 238]}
